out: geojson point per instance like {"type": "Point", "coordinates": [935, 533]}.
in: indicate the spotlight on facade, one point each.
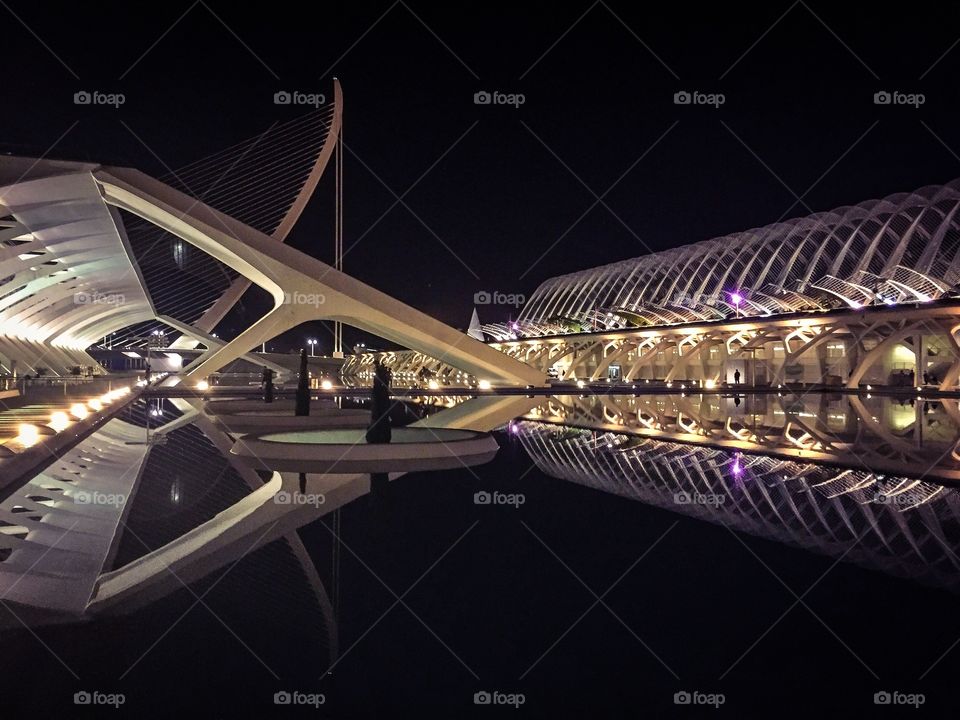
{"type": "Point", "coordinates": [203, 386]}
{"type": "Point", "coordinates": [710, 384]}
{"type": "Point", "coordinates": [581, 384]}
{"type": "Point", "coordinates": [433, 385]}
{"type": "Point", "coordinates": [95, 404]}
{"type": "Point", "coordinates": [326, 384]}
{"type": "Point", "coordinates": [484, 385]}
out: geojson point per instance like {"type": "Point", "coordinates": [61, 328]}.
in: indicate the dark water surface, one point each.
{"type": "Point", "coordinates": [766, 553]}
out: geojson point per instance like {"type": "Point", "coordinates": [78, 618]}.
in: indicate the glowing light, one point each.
{"type": "Point", "coordinates": [106, 399]}
{"type": "Point", "coordinates": [736, 298]}
{"type": "Point", "coordinates": [710, 384]}
{"type": "Point", "coordinates": [203, 385]}
{"type": "Point", "coordinates": [95, 405]}
{"type": "Point", "coordinates": [484, 384]}
{"type": "Point", "coordinates": [737, 467]}
{"type": "Point", "coordinates": [28, 435]}
{"type": "Point", "coordinates": [433, 385]}
{"type": "Point", "coordinates": [326, 384]}
{"type": "Point", "coordinates": [79, 411]}
{"type": "Point", "coordinates": [581, 384]}
{"type": "Point", "coordinates": [59, 421]}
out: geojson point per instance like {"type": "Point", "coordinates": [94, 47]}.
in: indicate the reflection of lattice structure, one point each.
{"type": "Point", "coordinates": [888, 436]}
{"type": "Point", "coordinates": [808, 506]}
{"type": "Point", "coordinates": [903, 248]}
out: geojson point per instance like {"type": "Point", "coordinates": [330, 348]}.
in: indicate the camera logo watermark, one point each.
{"type": "Point", "coordinates": [895, 697]}
{"type": "Point", "coordinates": [495, 697]}
{"type": "Point", "coordinates": [288, 498]}
{"type": "Point", "coordinates": [697, 498]}
{"type": "Point", "coordinates": [686, 97]}
{"type": "Point", "coordinates": [95, 497]}
{"type": "Point", "coordinates": [98, 298]}
{"type": "Point", "coordinates": [95, 97]}
{"type": "Point", "coordinates": [498, 98]}
{"type": "Point", "coordinates": [302, 298]}
{"type": "Point", "coordinates": [314, 700]}
{"type": "Point", "coordinates": [295, 97]}
{"type": "Point", "coordinates": [85, 697]}
{"type": "Point", "coordinates": [685, 697]}
{"type": "Point", "coordinates": [884, 97]}
{"type": "Point", "coordinates": [485, 297]}
{"type": "Point", "coordinates": [498, 498]}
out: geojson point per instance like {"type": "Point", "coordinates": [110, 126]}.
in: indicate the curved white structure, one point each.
{"type": "Point", "coordinates": [70, 275]}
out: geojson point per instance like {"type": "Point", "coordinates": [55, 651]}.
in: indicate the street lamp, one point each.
{"type": "Point", "coordinates": [312, 343]}
{"type": "Point", "coordinates": [736, 298]}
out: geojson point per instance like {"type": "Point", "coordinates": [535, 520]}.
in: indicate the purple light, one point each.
{"type": "Point", "coordinates": [514, 428]}
{"type": "Point", "coordinates": [737, 469]}
{"type": "Point", "coordinates": [736, 298]}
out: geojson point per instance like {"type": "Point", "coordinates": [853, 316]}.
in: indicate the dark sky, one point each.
{"type": "Point", "coordinates": [513, 200]}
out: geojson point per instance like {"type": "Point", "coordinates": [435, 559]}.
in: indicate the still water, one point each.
{"type": "Point", "coordinates": [619, 555]}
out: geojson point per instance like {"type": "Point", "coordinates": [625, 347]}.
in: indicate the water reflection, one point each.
{"type": "Point", "coordinates": [846, 477]}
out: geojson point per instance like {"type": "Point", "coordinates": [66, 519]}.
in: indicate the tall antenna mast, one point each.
{"type": "Point", "coordinates": [338, 221]}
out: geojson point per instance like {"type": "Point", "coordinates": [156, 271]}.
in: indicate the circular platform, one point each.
{"type": "Point", "coordinates": [346, 451]}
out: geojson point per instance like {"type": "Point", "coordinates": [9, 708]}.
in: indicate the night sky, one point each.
{"type": "Point", "coordinates": [505, 197]}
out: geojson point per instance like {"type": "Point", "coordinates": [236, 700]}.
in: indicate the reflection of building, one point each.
{"type": "Point", "coordinates": [894, 437]}
{"type": "Point", "coordinates": [861, 294]}
{"type": "Point", "coordinates": [896, 525]}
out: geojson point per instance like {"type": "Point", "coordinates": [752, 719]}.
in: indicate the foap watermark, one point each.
{"type": "Point", "coordinates": [95, 497]}
{"type": "Point", "coordinates": [495, 697]}
{"type": "Point", "coordinates": [895, 97]}
{"type": "Point", "coordinates": [95, 97]}
{"type": "Point", "coordinates": [284, 697]}
{"type": "Point", "coordinates": [288, 498]}
{"type": "Point", "coordinates": [482, 97]}
{"type": "Point", "coordinates": [486, 297]}
{"type": "Point", "coordinates": [698, 498]}
{"type": "Point", "coordinates": [898, 500]}
{"type": "Point", "coordinates": [695, 97]}
{"type": "Point", "coordinates": [498, 498]}
{"type": "Point", "coordinates": [98, 298]}
{"type": "Point", "coordinates": [895, 697]}
{"type": "Point", "coordinates": [95, 697]}
{"type": "Point", "coordinates": [295, 97]}
{"type": "Point", "coordinates": [695, 697]}
{"type": "Point", "coordinates": [302, 298]}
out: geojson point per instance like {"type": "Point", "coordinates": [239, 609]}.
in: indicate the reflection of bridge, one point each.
{"type": "Point", "coordinates": [63, 528]}
{"type": "Point", "coordinates": [902, 527]}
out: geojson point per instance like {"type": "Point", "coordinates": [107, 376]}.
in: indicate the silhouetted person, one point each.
{"type": "Point", "coordinates": [379, 430]}
{"type": "Point", "coordinates": [303, 387]}
{"type": "Point", "coordinates": [146, 373]}
{"type": "Point", "coordinates": [303, 483]}
{"type": "Point", "coordinates": [736, 377]}
{"type": "Point", "coordinates": [736, 400]}
{"type": "Point", "coordinates": [267, 383]}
